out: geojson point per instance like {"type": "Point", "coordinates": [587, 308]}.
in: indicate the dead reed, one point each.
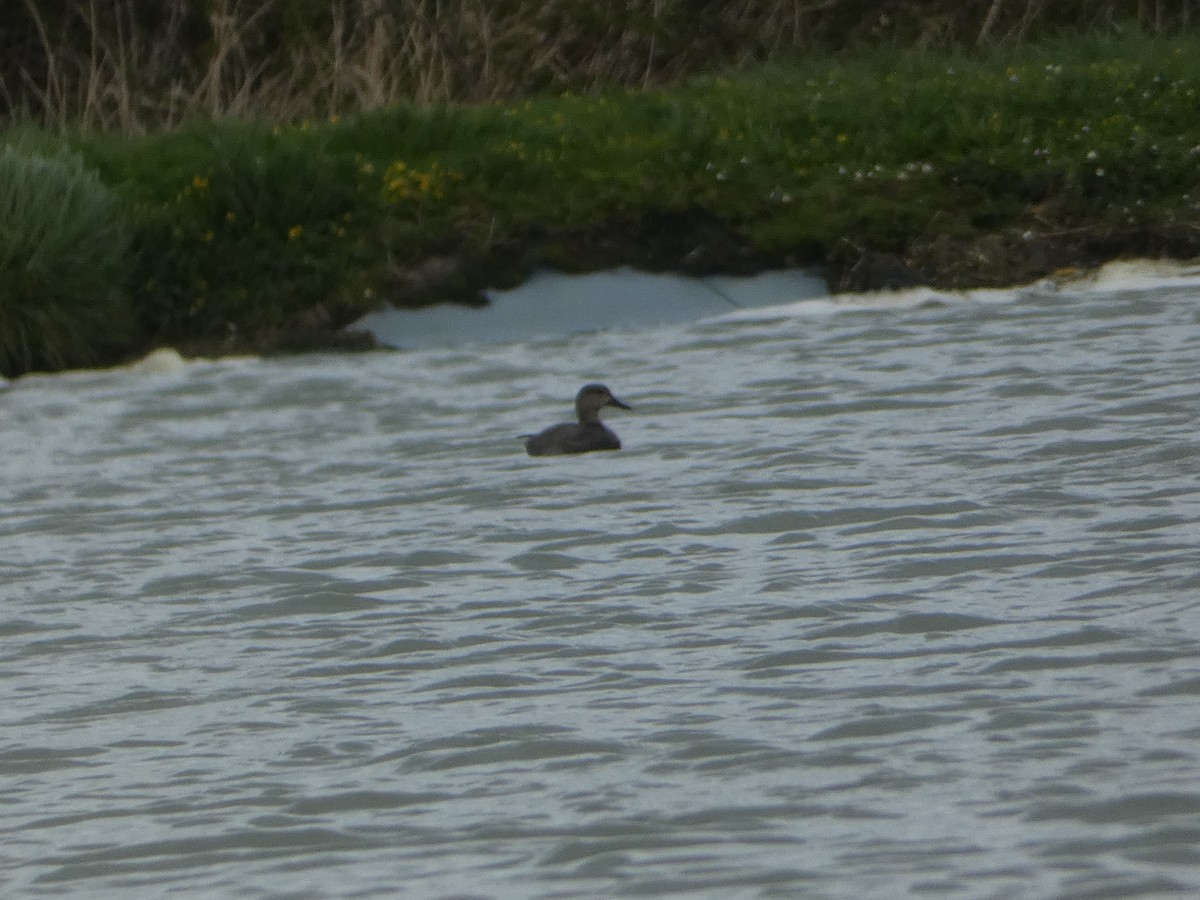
{"type": "Point", "coordinates": [139, 65]}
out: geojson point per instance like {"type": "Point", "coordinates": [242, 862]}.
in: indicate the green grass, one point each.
{"type": "Point", "coordinates": [263, 229]}
{"type": "Point", "coordinates": [876, 149]}
{"type": "Point", "coordinates": [244, 229]}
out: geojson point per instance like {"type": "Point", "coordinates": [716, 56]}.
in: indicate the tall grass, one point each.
{"type": "Point", "coordinates": [63, 260]}
{"type": "Point", "coordinates": [139, 65]}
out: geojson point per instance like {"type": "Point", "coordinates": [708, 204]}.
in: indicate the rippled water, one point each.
{"type": "Point", "coordinates": [876, 602]}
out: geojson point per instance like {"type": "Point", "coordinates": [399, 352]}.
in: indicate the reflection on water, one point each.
{"type": "Point", "coordinates": [884, 597]}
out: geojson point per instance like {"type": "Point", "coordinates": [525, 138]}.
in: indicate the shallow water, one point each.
{"type": "Point", "coordinates": [884, 597]}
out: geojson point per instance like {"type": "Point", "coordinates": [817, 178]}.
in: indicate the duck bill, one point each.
{"type": "Point", "coordinates": [613, 401]}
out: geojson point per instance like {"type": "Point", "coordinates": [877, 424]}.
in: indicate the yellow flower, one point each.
{"type": "Point", "coordinates": [231, 217]}
{"type": "Point", "coordinates": [295, 231]}
{"type": "Point", "coordinates": [207, 237]}
{"type": "Point", "coordinates": [842, 138]}
{"type": "Point", "coordinates": [200, 183]}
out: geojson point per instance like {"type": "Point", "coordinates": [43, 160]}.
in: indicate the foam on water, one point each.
{"type": "Point", "coordinates": [1135, 275]}
{"type": "Point", "coordinates": [1112, 278]}
{"type": "Point", "coordinates": [163, 361]}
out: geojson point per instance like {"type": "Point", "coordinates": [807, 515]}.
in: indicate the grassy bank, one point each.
{"type": "Point", "coordinates": [954, 168]}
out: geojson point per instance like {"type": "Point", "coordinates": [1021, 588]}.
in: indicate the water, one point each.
{"type": "Point", "coordinates": [552, 303]}
{"type": "Point", "coordinates": [883, 598]}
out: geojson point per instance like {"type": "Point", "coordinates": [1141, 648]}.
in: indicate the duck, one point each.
{"type": "Point", "coordinates": [585, 436]}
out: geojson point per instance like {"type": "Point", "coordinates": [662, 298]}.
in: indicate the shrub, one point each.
{"type": "Point", "coordinates": [63, 253]}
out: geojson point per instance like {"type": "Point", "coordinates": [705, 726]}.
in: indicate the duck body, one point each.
{"type": "Point", "coordinates": [584, 436]}
{"type": "Point", "coordinates": [570, 437]}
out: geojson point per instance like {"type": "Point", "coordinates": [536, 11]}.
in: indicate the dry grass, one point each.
{"type": "Point", "coordinates": [140, 65]}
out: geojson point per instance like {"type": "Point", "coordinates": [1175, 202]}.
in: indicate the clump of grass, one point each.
{"type": "Point", "coordinates": [63, 258]}
{"type": "Point", "coordinates": [260, 229]}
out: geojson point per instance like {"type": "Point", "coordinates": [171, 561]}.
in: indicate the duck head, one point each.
{"type": "Point", "coordinates": [594, 397]}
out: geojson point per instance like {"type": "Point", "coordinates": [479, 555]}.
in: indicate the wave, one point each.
{"type": "Point", "coordinates": [1135, 275]}
{"type": "Point", "coordinates": [1114, 277]}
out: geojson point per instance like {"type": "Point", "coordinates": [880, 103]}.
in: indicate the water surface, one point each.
{"type": "Point", "coordinates": [552, 304]}
{"type": "Point", "coordinates": [887, 596]}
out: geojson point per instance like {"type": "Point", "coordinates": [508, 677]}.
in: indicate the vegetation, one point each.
{"type": "Point", "coordinates": [62, 260]}
{"type": "Point", "coordinates": [968, 167]}
{"type": "Point", "coordinates": [138, 65]}
{"type": "Point", "coordinates": [245, 233]}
